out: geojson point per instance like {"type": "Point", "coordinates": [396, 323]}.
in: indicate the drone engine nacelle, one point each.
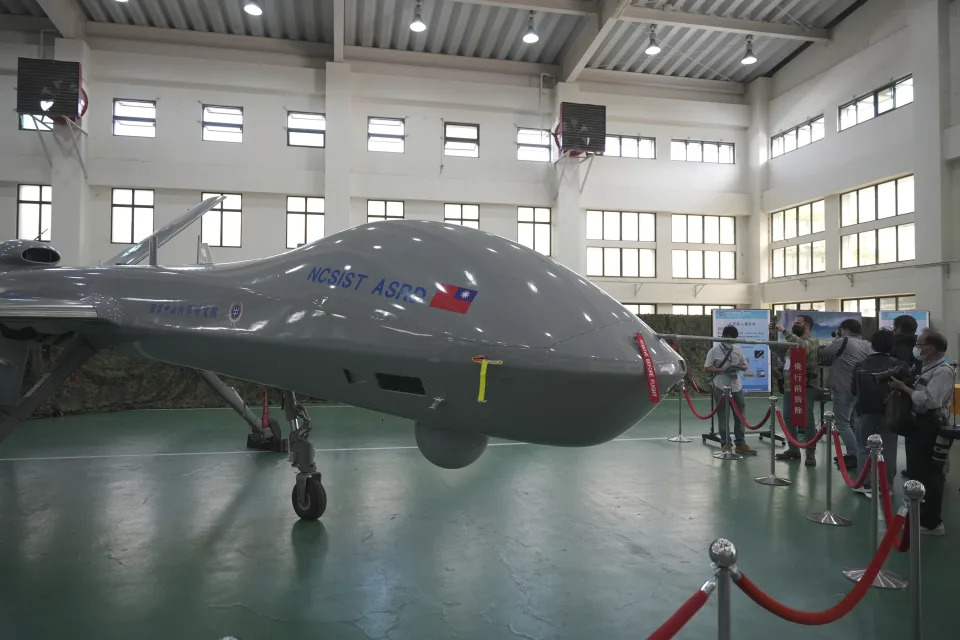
{"type": "Point", "coordinates": [449, 449]}
{"type": "Point", "coordinates": [28, 253]}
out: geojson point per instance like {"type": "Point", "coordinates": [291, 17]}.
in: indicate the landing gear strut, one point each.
{"type": "Point", "coordinates": [309, 497]}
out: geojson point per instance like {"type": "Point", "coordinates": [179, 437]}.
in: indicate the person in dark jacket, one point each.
{"type": "Point", "coordinates": [904, 339]}
{"type": "Point", "coordinates": [871, 395]}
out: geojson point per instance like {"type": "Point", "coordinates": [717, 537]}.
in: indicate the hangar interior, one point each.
{"type": "Point", "coordinates": [781, 154]}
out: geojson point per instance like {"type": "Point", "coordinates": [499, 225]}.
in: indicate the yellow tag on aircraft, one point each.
{"type": "Point", "coordinates": [481, 397]}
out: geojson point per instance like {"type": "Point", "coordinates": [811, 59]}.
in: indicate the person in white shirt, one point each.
{"type": "Point", "coordinates": [725, 362]}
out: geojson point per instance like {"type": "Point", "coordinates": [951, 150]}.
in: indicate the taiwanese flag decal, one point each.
{"type": "Point", "coordinates": [453, 298]}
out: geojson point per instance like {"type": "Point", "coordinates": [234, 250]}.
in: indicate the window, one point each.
{"type": "Point", "coordinates": [690, 229]}
{"type": "Point", "coordinates": [30, 122]}
{"type": "Point", "coordinates": [868, 307]}
{"type": "Point", "coordinates": [631, 147]}
{"type": "Point", "coordinates": [221, 226]}
{"type": "Point", "coordinates": [138, 118]}
{"type": "Point", "coordinates": [704, 265]}
{"type": "Point", "coordinates": [378, 210]}
{"type": "Point", "coordinates": [819, 305]}
{"type": "Point", "coordinates": [638, 309]}
{"type": "Point", "coordinates": [878, 201]}
{"type": "Point", "coordinates": [877, 246]}
{"type": "Point", "coordinates": [131, 215]}
{"type": "Point", "coordinates": [304, 220]}
{"type": "Point", "coordinates": [385, 134]}
{"type": "Point", "coordinates": [621, 262]}
{"type": "Point", "coordinates": [461, 140]}
{"type": "Point", "coordinates": [698, 309]}
{"type": "Point", "coordinates": [466, 215]}
{"type": "Point", "coordinates": [34, 204]}
{"type": "Point", "coordinates": [621, 225]}
{"type": "Point", "coordinates": [306, 129]}
{"type": "Point", "coordinates": [222, 124]}
{"type": "Point", "coordinates": [533, 144]}
{"type": "Point", "coordinates": [795, 222]}
{"type": "Point", "coordinates": [533, 228]}
{"type": "Point", "coordinates": [869, 106]}
{"type": "Point", "coordinates": [809, 257]}
{"type": "Point", "coordinates": [799, 136]}
{"type": "Point", "coordinates": [701, 151]}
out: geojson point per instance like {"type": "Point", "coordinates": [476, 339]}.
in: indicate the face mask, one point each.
{"type": "Point", "coordinates": [797, 329]}
{"type": "Point", "coordinates": [917, 354]}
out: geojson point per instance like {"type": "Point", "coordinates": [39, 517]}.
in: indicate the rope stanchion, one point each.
{"type": "Point", "coordinates": [746, 424]}
{"type": "Point", "coordinates": [772, 479]}
{"type": "Point", "coordinates": [709, 415]}
{"type": "Point", "coordinates": [683, 615]}
{"type": "Point", "coordinates": [682, 387]}
{"type": "Point", "coordinates": [885, 502]}
{"type": "Point", "coordinates": [827, 516]}
{"type": "Point", "coordinates": [843, 468]}
{"type": "Point", "coordinates": [794, 441]}
{"type": "Point", "coordinates": [915, 492]}
{"type": "Point", "coordinates": [883, 579]}
{"type": "Point", "coordinates": [840, 609]}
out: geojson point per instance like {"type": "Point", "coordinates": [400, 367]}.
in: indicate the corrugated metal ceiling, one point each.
{"type": "Point", "coordinates": [21, 8]}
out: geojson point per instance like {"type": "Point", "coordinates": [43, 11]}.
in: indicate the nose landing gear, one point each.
{"type": "Point", "coordinates": [309, 497]}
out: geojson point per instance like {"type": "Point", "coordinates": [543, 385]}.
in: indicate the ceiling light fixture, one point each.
{"type": "Point", "coordinates": [749, 58]}
{"type": "Point", "coordinates": [653, 48]}
{"type": "Point", "coordinates": [417, 24]}
{"type": "Point", "coordinates": [253, 9]}
{"type": "Point", "coordinates": [530, 36]}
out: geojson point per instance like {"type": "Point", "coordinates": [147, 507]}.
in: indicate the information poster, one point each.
{"type": "Point", "coordinates": [752, 324]}
{"type": "Point", "coordinates": [922, 318]}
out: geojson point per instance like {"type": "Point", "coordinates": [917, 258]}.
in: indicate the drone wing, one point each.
{"type": "Point", "coordinates": [141, 250]}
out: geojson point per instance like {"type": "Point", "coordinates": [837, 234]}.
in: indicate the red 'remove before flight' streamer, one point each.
{"type": "Point", "coordinates": [652, 385]}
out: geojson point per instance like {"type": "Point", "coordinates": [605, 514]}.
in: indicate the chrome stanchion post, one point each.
{"type": "Point", "coordinates": [727, 413]}
{"type": "Point", "coordinates": [885, 579]}
{"type": "Point", "coordinates": [827, 516]}
{"type": "Point", "coordinates": [680, 437]}
{"type": "Point", "coordinates": [724, 557]}
{"type": "Point", "coordinates": [915, 492]}
{"type": "Point", "coordinates": [772, 479]}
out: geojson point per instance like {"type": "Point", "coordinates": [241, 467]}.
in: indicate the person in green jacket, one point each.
{"type": "Point", "coordinates": [799, 335]}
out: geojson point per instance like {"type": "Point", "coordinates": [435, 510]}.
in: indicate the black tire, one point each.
{"type": "Point", "coordinates": [315, 500]}
{"type": "Point", "coordinates": [275, 429]}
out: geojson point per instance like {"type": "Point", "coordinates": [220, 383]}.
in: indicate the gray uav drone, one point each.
{"type": "Point", "coordinates": [466, 333]}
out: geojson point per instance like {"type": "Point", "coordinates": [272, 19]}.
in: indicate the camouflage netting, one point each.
{"type": "Point", "coordinates": [110, 382]}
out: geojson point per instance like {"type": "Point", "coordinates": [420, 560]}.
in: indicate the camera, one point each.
{"type": "Point", "coordinates": [833, 334]}
{"type": "Point", "coordinates": [901, 372]}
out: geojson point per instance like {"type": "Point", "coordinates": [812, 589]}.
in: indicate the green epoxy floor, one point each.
{"type": "Point", "coordinates": [159, 524]}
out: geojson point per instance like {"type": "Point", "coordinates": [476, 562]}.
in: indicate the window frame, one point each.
{"type": "Point", "coordinates": [798, 272]}
{"type": "Point", "coordinates": [706, 309]}
{"type": "Point", "coordinates": [687, 142]}
{"type": "Point", "coordinates": [638, 312]}
{"type": "Point", "coordinates": [876, 300]}
{"type": "Point", "coordinates": [703, 264]}
{"type": "Point", "coordinates": [376, 217]}
{"type": "Point", "coordinates": [306, 213]}
{"type": "Point", "coordinates": [875, 188]}
{"type": "Point", "coordinates": [639, 139]}
{"type": "Point", "coordinates": [41, 122]}
{"type": "Point", "coordinates": [204, 123]}
{"type": "Point", "coordinates": [875, 94]}
{"type": "Point", "coordinates": [402, 137]}
{"type": "Point", "coordinates": [641, 216]}
{"type": "Point", "coordinates": [133, 206]}
{"type": "Point", "coordinates": [796, 132]}
{"type": "Point", "coordinates": [116, 119]}
{"type": "Point", "coordinates": [40, 205]}
{"type": "Point", "coordinates": [454, 139]}
{"type": "Point", "coordinates": [603, 262]}
{"type": "Point", "coordinates": [220, 209]}
{"type": "Point", "coordinates": [785, 306]}
{"type": "Point", "coordinates": [322, 133]}
{"type": "Point", "coordinates": [876, 246]}
{"type": "Point", "coordinates": [460, 220]}
{"type": "Point", "coordinates": [544, 134]}
{"type": "Point", "coordinates": [534, 222]}
{"type": "Point", "coordinates": [703, 229]}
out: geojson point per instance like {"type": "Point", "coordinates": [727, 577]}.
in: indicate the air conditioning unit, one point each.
{"type": "Point", "coordinates": [48, 88]}
{"type": "Point", "coordinates": [583, 128]}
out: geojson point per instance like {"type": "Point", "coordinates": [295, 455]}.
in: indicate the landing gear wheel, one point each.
{"type": "Point", "coordinates": [314, 502]}
{"type": "Point", "coordinates": [275, 429]}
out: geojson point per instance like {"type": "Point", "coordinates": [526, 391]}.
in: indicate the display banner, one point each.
{"type": "Point", "coordinates": [798, 387]}
{"type": "Point", "coordinates": [652, 386]}
{"type": "Point", "coordinates": [752, 324]}
{"type": "Point", "coordinates": [922, 318]}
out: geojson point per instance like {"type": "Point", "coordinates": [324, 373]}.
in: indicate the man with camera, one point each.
{"type": "Point", "coordinates": [799, 335]}
{"type": "Point", "coordinates": [927, 432]}
{"type": "Point", "coordinates": [726, 362]}
{"type": "Point", "coordinates": [869, 387]}
{"type": "Point", "coordinates": [847, 349]}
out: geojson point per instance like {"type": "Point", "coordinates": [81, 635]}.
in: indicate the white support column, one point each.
{"type": "Point", "coordinates": [338, 156]}
{"type": "Point", "coordinates": [753, 234]}
{"type": "Point", "coordinates": [68, 155]}
{"type": "Point", "coordinates": [929, 38]}
{"type": "Point", "coordinates": [569, 224]}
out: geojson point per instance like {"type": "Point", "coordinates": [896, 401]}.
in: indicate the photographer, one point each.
{"type": "Point", "coordinates": [869, 387]}
{"type": "Point", "coordinates": [799, 335]}
{"type": "Point", "coordinates": [927, 436]}
{"type": "Point", "coordinates": [726, 362]}
{"type": "Point", "coordinates": [841, 355]}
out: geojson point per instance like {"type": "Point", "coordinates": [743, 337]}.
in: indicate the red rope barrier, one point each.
{"type": "Point", "coordinates": [709, 415]}
{"type": "Point", "coordinates": [904, 544]}
{"type": "Point", "coordinates": [794, 441]}
{"type": "Point", "coordinates": [682, 616]}
{"type": "Point", "coordinates": [843, 468]}
{"type": "Point", "coordinates": [840, 609]}
{"type": "Point", "coordinates": [743, 420]}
